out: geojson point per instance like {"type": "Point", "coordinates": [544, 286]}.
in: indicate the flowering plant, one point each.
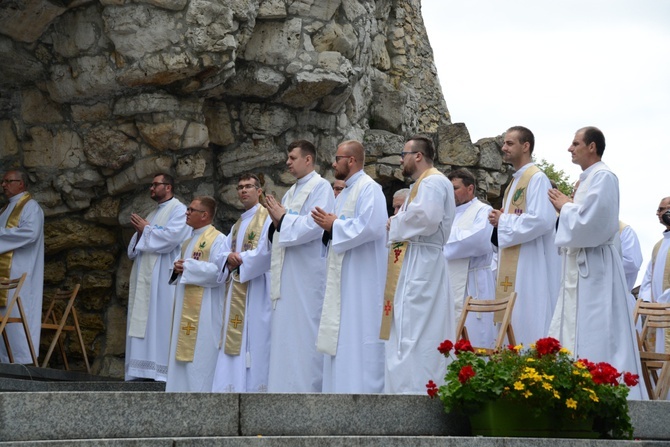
{"type": "Point", "coordinates": [545, 378]}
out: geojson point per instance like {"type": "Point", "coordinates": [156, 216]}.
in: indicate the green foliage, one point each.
{"type": "Point", "coordinates": [558, 176]}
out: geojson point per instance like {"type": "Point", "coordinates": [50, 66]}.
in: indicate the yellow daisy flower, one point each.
{"type": "Point", "coordinates": [518, 386]}
{"type": "Point", "coordinates": [571, 403]}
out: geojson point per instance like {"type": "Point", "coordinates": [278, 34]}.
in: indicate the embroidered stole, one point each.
{"type": "Point", "coordinates": [238, 297]}
{"type": "Point", "coordinates": [141, 275]}
{"type": "Point", "coordinates": [508, 257]}
{"type": "Point", "coordinates": [6, 258]}
{"type": "Point", "coordinates": [395, 260]}
{"type": "Point", "coordinates": [459, 268]}
{"type": "Point", "coordinates": [665, 282]}
{"type": "Point", "coordinates": [190, 311]}
{"type": "Point", "coordinates": [294, 203]}
{"type": "Point", "coordinates": [329, 325]}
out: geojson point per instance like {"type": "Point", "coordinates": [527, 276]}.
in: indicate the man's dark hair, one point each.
{"type": "Point", "coordinates": [249, 176]}
{"type": "Point", "coordinates": [594, 135]}
{"type": "Point", "coordinates": [525, 136]}
{"type": "Point", "coordinates": [306, 148]}
{"type": "Point", "coordinates": [466, 176]}
{"type": "Point", "coordinates": [425, 145]}
{"type": "Point", "coordinates": [167, 179]}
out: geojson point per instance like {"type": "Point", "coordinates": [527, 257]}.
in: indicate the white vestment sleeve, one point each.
{"type": "Point", "coordinates": [368, 225]}
{"type": "Point", "coordinates": [27, 232]}
{"type": "Point", "coordinates": [470, 242]}
{"type": "Point", "coordinates": [256, 262]}
{"type": "Point", "coordinates": [300, 229]}
{"type": "Point", "coordinates": [156, 239]}
{"type": "Point", "coordinates": [422, 216]}
{"type": "Point", "coordinates": [631, 251]}
{"type": "Point", "coordinates": [201, 273]}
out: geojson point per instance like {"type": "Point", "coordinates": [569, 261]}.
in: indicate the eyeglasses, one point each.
{"type": "Point", "coordinates": [157, 184]}
{"type": "Point", "coordinates": [663, 208]}
{"type": "Point", "coordinates": [192, 210]}
{"type": "Point", "coordinates": [9, 181]}
{"type": "Point", "coordinates": [339, 157]}
{"type": "Point", "coordinates": [402, 154]}
{"type": "Point", "coordinates": [248, 186]}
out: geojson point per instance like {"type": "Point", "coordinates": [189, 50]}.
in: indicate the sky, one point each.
{"type": "Point", "coordinates": [557, 66]}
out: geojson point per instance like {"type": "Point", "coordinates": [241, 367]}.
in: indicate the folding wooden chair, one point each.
{"type": "Point", "coordinates": [505, 305]}
{"type": "Point", "coordinates": [53, 322]}
{"type": "Point", "coordinates": [6, 318]}
{"type": "Point", "coordinates": [655, 365]}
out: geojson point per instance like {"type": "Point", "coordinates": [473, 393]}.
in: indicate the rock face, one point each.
{"type": "Point", "coordinates": [98, 96]}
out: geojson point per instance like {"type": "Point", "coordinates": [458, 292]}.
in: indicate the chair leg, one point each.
{"type": "Point", "coordinates": [26, 329]}
{"type": "Point", "coordinates": [8, 347]}
{"type": "Point", "coordinates": [81, 339]}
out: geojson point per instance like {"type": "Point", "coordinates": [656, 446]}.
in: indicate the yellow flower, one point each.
{"type": "Point", "coordinates": [518, 347]}
{"type": "Point", "coordinates": [530, 360]}
{"type": "Point", "coordinates": [576, 372]}
{"type": "Point", "coordinates": [586, 374]}
{"type": "Point", "coordinates": [481, 351]}
{"type": "Point", "coordinates": [527, 394]}
{"type": "Point", "coordinates": [547, 386]}
{"type": "Point", "coordinates": [571, 403]}
{"type": "Point", "coordinates": [532, 346]}
{"type": "Point", "coordinates": [592, 394]}
{"type": "Point", "coordinates": [580, 365]}
{"type": "Point", "coordinates": [547, 377]}
{"type": "Point", "coordinates": [565, 351]}
{"type": "Point", "coordinates": [518, 386]}
{"type": "Point", "coordinates": [556, 395]}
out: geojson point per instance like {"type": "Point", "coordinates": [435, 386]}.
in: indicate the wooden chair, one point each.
{"type": "Point", "coordinates": [6, 318]}
{"type": "Point", "coordinates": [655, 365]}
{"type": "Point", "coordinates": [505, 305]}
{"type": "Point", "coordinates": [52, 321]}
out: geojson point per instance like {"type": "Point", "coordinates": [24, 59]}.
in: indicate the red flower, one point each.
{"type": "Point", "coordinates": [445, 347]}
{"type": "Point", "coordinates": [463, 345]}
{"type": "Point", "coordinates": [431, 389]}
{"type": "Point", "coordinates": [631, 379]}
{"type": "Point", "coordinates": [466, 373]}
{"type": "Point", "coordinates": [547, 345]}
{"type": "Point", "coordinates": [604, 373]}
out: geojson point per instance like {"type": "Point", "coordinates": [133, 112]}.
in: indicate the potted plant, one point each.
{"type": "Point", "coordinates": [551, 393]}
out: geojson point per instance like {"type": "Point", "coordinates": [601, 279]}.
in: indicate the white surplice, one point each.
{"type": "Point", "coordinates": [27, 242]}
{"type": "Point", "coordinates": [538, 270]}
{"type": "Point", "coordinates": [295, 364]}
{"type": "Point", "coordinates": [470, 243]}
{"type": "Point", "coordinates": [652, 289]}
{"type": "Point", "coordinates": [358, 366]}
{"type": "Point", "coordinates": [198, 375]}
{"type": "Point", "coordinates": [632, 255]}
{"type": "Point", "coordinates": [148, 357]}
{"type": "Point", "coordinates": [423, 308]}
{"type": "Point", "coordinates": [247, 372]}
{"type": "Point", "coordinates": [603, 329]}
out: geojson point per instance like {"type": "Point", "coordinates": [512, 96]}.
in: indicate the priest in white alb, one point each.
{"type": "Point", "coordinates": [244, 355]}
{"type": "Point", "coordinates": [418, 310]}
{"type": "Point", "coordinates": [469, 254]}
{"type": "Point", "coordinates": [21, 251]}
{"type": "Point", "coordinates": [153, 248]}
{"type": "Point", "coordinates": [356, 237]}
{"type": "Point", "coordinates": [298, 276]}
{"type": "Point", "coordinates": [592, 318]}
{"type": "Point", "coordinates": [198, 307]}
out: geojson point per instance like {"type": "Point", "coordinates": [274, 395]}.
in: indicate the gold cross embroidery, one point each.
{"type": "Point", "coordinates": [188, 328]}
{"type": "Point", "coordinates": [235, 321]}
{"type": "Point", "coordinates": [506, 283]}
{"type": "Point", "coordinates": [387, 307]}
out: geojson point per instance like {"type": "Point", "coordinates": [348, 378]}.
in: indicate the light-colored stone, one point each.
{"type": "Point", "coordinates": [62, 149]}
{"type": "Point", "coordinates": [317, 9]}
{"type": "Point", "coordinates": [266, 119]}
{"type": "Point", "coordinates": [104, 211]}
{"type": "Point", "coordinates": [218, 121]}
{"type": "Point", "coordinates": [79, 33]}
{"type": "Point", "coordinates": [272, 9]}
{"type": "Point", "coordinates": [90, 259]}
{"type": "Point", "coordinates": [380, 142]}
{"type": "Point", "coordinates": [193, 166]}
{"type": "Point", "coordinates": [115, 322]}
{"type": "Point", "coordinates": [334, 37]}
{"type": "Point", "coordinates": [9, 145]}
{"type": "Point", "coordinates": [490, 155]}
{"type": "Point", "coordinates": [84, 78]}
{"type": "Point", "coordinates": [96, 112]}
{"type": "Point", "coordinates": [259, 81]}
{"type": "Point", "coordinates": [274, 43]}
{"type": "Point", "coordinates": [139, 173]}
{"type": "Point", "coordinates": [149, 103]}
{"type": "Point", "coordinates": [67, 233]}
{"type": "Point", "coordinates": [17, 66]}
{"type": "Point", "coordinates": [249, 156]}
{"type": "Point", "coordinates": [27, 22]}
{"type": "Point", "coordinates": [310, 87]}
{"type": "Point", "coordinates": [38, 109]}
{"type": "Point", "coordinates": [77, 187]}
{"type": "Point", "coordinates": [109, 148]}
{"type": "Point", "coordinates": [455, 147]}
{"type": "Point", "coordinates": [380, 55]}
{"type": "Point", "coordinates": [173, 5]}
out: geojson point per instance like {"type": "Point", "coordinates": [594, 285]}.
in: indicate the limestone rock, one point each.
{"type": "Point", "coordinates": [54, 272]}
{"type": "Point", "coordinates": [27, 22]}
{"type": "Point", "coordinates": [490, 155]}
{"type": "Point", "coordinates": [93, 259]}
{"type": "Point", "coordinates": [62, 149]}
{"type": "Point", "coordinates": [76, 187]}
{"type": "Point", "coordinates": [139, 173]}
{"type": "Point", "coordinates": [310, 87]}
{"type": "Point", "coordinates": [258, 81]}
{"type": "Point", "coordinates": [249, 156]}
{"type": "Point", "coordinates": [96, 112]}
{"type": "Point", "coordinates": [79, 33]}
{"type": "Point", "coordinates": [84, 78]}
{"type": "Point", "coordinates": [115, 322]}
{"type": "Point", "coordinates": [149, 103]}
{"type": "Point", "coordinates": [37, 109]}
{"type": "Point", "coordinates": [318, 9]}
{"type": "Point", "coordinates": [274, 43]}
{"type": "Point", "coordinates": [266, 119]}
{"type": "Point", "coordinates": [104, 211]}
{"type": "Point", "coordinates": [380, 142]}
{"type": "Point", "coordinates": [218, 121]}
{"type": "Point", "coordinates": [334, 37]}
{"type": "Point", "coordinates": [67, 233]}
{"type": "Point", "coordinates": [97, 280]}
{"type": "Point", "coordinates": [193, 166]}
{"type": "Point", "coordinates": [272, 9]}
{"type": "Point", "coordinates": [122, 279]}
{"type": "Point", "coordinates": [109, 147]}
{"type": "Point", "coordinates": [455, 146]}
{"type": "Point", "coordinates": [17, 66]}
{"type": "Point", "coordinates": [9, 145]}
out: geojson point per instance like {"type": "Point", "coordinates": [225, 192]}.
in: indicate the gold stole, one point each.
{"type": "Point", "coordinates": [190, 311]}
{"type": "Point", "coordinates": [508, 258]}
{"type": "Point", "coordinates": [665, 283]}
{"type": "Point", "coordinates": [6, 258]}
{"type": "Point", "coordinates": [238, 298]}
{"type": "Point", "coordinates": [395, 259]}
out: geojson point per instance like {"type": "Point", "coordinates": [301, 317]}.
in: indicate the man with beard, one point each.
{"type": "Point", "coordinates": [242, 363]}
{"type": "Point", "coordinates": [656, 282]}
{"type": "Point", "coordinates": [349, 326]}
{"type": "Point", "coordinates": [528, 262]}
{"type": "Point", "coordinates": [153, 248]}
{"type": "Point", "coordinates": [295, 364]}
{"type": "Point", "coordinates": [469, 254]}
{"type": "Point", "coordinates": [592, 318]}
{"type": "Point", "coordinates": [22, 251]}
{"type": "Point", "coordinates": [198, 310]}
{"type": "Point", "coordinates": [418, 308]}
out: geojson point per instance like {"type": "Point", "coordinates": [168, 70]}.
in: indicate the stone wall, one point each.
{"type": "Point", "coordinates": [97, 96]}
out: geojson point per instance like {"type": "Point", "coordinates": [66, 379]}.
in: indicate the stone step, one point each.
{"type": "Point", "coordinates": [37, 416]}
{"type": "Point", "coordinates": [338, 441]}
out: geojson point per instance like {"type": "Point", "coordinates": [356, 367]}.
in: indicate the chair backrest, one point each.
{"type": "Point", "coordinates": [12, 284]}
{"type": "Point", "coordinates": [655, 316]}
{"type": "Point", "coordinates": [7, 318]}
{"type": "Point", "coordinates": [502, 305]}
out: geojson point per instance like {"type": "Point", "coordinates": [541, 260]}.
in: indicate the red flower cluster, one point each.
{"type": "Point", "coordinates": [631, 379]}
{"type": "Point", "coordinates": [431, 389]}
{"type": "Point", "coordinates": [463, 345]}
{"type": "Point", "coordinates": [547, 346]}
{"type": "Point", "coordinates": [466, 373]}
{"type": "Point", "coordinates": [445, 347]}
{"type": "Point", "coordinates": [603, 372]}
